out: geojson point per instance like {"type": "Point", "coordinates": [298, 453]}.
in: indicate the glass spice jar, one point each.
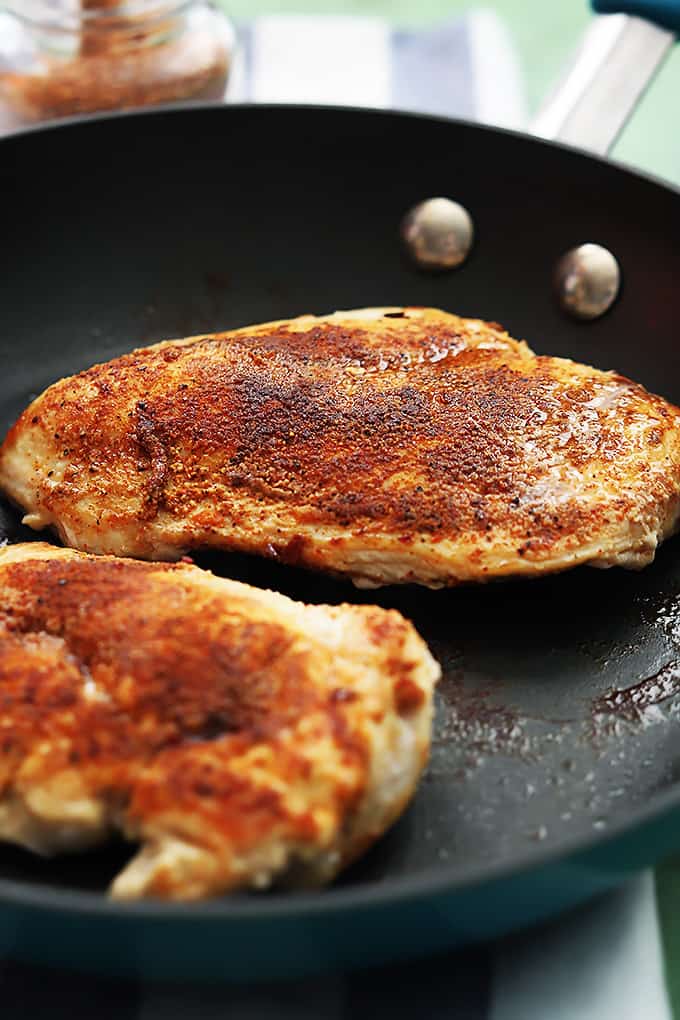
{"type": "Point", "coordinates": [60, 58]}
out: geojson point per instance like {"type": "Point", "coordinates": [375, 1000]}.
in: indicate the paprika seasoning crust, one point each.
{"type": "Point", "coordinates": [385, 445]}
{"type": "Point", "coordinates": [239, 737]}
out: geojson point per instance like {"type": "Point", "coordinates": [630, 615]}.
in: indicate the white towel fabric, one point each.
{"type": "Point", "coordinates": [466, 67]}
{"type": "Point", "coordinates": [603, 962]}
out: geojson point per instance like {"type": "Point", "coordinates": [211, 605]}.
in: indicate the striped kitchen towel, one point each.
{"type": "Point", "coordinates": [466, 67]}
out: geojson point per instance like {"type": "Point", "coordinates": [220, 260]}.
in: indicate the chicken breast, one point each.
{"type": "Point", "coordinates": [388, 445]}
{"type": "Point", "coordinates": [240, 737]}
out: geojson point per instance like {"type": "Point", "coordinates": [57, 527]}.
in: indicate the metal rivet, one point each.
{"type": "Point", "coordinates": [587, 281]}
{"type": "Point", "coordinates": [437, 233]}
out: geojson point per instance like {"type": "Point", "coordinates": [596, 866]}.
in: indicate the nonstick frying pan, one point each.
{"type": "Point", "coordinates": [546, 786]}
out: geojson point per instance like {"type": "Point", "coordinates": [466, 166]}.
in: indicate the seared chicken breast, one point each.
{"type": "Point", "coordinates": [241, 738]}
{"type": "Point", "coordinates": [387, 445]}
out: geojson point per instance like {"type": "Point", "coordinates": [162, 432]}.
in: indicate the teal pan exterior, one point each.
{"type": "Point", "coordinates": [291, 937]}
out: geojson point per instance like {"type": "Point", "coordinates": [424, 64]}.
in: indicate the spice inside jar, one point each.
{"type": "Point", "coordinates": [59, 58]}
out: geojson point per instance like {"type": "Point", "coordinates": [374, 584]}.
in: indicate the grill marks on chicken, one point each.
{"type": "Point", "coordinates": [240, 737]}
{"type": "Point", "coordinates": [388, 445]}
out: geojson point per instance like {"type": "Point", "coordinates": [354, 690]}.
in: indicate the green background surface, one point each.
{"type": "Point", "coordinates": [546, 33]}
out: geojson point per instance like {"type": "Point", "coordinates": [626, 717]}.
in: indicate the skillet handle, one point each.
{"type": "Point", "coordinates": [617, 60]}
{"type": "Point", "coordinates": [664, 13]}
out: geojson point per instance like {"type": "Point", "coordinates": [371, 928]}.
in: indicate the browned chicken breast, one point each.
{"type": "Point", "coordinates": [389, 445]}
{"type": "Point", "coordinates": [240, 737]}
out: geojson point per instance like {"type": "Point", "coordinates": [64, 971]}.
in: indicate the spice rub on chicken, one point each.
{"type": "Point", "coordinates": [240, 737]}
{"type": "Point", "coordinates": [387, 445]}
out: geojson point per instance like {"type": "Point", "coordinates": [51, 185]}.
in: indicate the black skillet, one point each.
{"type": "Point", "coordinates": [544, 787]}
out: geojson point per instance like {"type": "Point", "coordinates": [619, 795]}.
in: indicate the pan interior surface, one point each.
{"type": "Point", "coordinates": [176, 223]}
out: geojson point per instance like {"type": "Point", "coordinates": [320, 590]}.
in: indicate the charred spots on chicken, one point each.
{"type": "Point", "coordinates": [153, 458]}
{"type": "Point", "coordinates": [291, 553]}
{"type": "Point", "coordinates": [408, 696]}
{"type": "Point", "coordinates": [342, 696]}
{"type": "Point", "coordinates": [213, 727]}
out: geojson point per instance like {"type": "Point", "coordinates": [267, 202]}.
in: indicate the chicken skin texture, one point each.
{"type": "Point", "coordinates": [238, 737]}
{"type": "Point", "coordinates": [385, 445]}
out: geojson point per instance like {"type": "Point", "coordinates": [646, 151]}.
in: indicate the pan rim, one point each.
{"type": "Point", "coordinates": [393, 890]}
{"type": "Point", "coordinates": [226, 109]}
{"type": "Point", "coordinates": [332, 900]}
